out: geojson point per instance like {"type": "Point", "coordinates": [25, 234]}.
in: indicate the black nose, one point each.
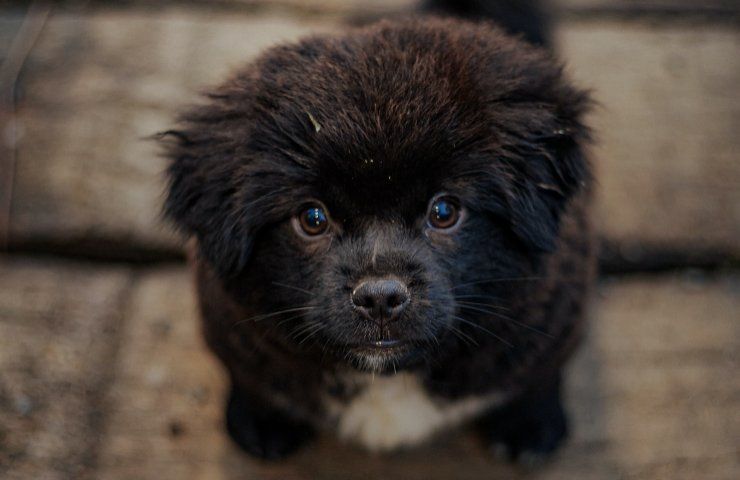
{"type": "Point", "coordinates": [380, 299]}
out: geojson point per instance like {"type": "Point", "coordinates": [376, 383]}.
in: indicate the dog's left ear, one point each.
{"type": "Point", "coordinates": [552, 173]}
{"type": "Point", "coordinates": [202, 202]}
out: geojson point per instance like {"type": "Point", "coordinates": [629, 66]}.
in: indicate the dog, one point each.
{"type": "Point", "coordinates": [390, 233]}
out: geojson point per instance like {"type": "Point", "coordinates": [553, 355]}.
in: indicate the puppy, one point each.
{"type": "Point", "coordinates": [390, 236]}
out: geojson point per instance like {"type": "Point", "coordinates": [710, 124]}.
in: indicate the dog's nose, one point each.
{"type": "Point", "coordinates": [380, 299]}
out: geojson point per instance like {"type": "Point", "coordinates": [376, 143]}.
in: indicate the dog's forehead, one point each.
{"type": "Point", "coordinates": [376, 186]}
{"type": "Point", "coordinates": [391, 148]}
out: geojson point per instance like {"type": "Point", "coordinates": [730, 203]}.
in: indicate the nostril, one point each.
{"type": "Point", "coordinates": [396, 299]}
{"type": "Point", "coordinates": [362, 300]}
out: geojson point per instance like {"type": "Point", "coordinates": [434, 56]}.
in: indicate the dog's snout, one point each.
{"type": "Point", "coordinates": [382, 299]}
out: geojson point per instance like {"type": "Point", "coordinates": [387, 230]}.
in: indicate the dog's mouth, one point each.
{"type": "Point", "coordinates": [382, 355]}
{"type": "Point", "coordinates": [380, 346]}
{"type": "Point", "coordinates": [386, 344]}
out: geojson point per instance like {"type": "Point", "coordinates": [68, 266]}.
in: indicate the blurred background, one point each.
{"type": "Point", "coordinates": [102, 371]}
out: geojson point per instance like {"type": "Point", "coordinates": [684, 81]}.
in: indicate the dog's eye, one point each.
{"type": "Point", "coordinates": [313, 220]}
{"type": "Point", "coordinates": [444, 213]}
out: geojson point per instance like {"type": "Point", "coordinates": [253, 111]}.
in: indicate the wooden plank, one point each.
{"type": "Point", "coordinates": [666, 126]}
{"type": "Point", "coordinates": [654, 395]}
{"type": "Point", "coordinates": [662, 388]}
{"type": "Point", "coordinates": [58, 325]}
{"type": "Point", "coordinates": [97, 84]}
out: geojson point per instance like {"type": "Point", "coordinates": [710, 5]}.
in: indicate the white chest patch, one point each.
{"type": "Point", "coordinates": [397, 411]}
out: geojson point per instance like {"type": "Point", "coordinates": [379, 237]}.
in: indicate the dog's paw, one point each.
{"type": "Point", "coordinates": [261, 432]}
{"type": "Point", "coordinates": [529, 442]}
{"type": "Point", "coordinates": [528, 431]}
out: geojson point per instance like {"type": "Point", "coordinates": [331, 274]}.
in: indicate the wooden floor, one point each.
{"type": "Point", "coordinates": [102, 372]}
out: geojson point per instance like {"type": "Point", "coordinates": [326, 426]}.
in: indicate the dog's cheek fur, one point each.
{"type": "Point", "coordinates": [281, 273]}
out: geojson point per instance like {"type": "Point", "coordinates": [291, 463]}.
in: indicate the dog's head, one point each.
{"type": "Point", "coordinates": [373, 193]}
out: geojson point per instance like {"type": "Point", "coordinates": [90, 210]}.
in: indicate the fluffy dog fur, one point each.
{"type": "Point", "coordinates": [374, 123]}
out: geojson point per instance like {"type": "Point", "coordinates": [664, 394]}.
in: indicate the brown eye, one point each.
{"type": "Point", "coordinates": [313, 220]}
{"type": "Point", "coordinates": [444, 213]}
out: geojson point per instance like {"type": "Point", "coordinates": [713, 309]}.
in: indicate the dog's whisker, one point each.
{"type": "Point", "coordinates": [484, 329]}
{"type": "Point", "coordinates": [462, 335]}
{"type": "Point", "coordinates": [480, 295]}
{"type": "Point", "coordinates": [496, 280]}
{"type": "Point", "coordinates": [258, 318]}
{"type": "Point", "coordinates": [309, 332]}
{"type": "Point", "coordinates": [292, 287]}
{"type": "Point", "coordinates": [505, 317]}
{"type": "Point", "coordinates": [299, 329]}
{"type": "Point", "coordinates": [489, 305]}
{"type": "Point", "coordinates": [435, 340]}
{"type": "Point", "coordinates": [289, 319]}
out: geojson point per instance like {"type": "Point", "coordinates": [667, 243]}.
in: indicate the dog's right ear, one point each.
{"type": "Point", "coordinates": [202, 191]}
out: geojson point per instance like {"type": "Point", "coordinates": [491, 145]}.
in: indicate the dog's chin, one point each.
{"type": "Point", "coordinates": [383, 357]}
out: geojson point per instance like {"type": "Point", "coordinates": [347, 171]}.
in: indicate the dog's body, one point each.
{"type": "Point", "coordinates": [392, 236]}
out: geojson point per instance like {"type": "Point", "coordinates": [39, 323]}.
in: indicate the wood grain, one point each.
{"type": "Point", "coordinates": [58, 339]}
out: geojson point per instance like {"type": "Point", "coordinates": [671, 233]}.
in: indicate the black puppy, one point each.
{"type": "Point", "coordinates": [391, 235]}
